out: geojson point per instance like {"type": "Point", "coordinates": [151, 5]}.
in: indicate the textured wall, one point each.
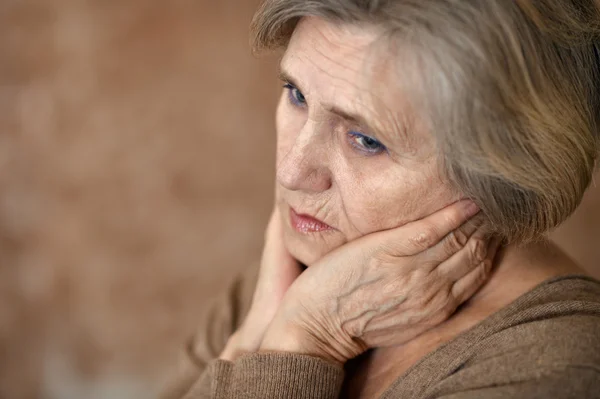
{"type": "Point", "coordinates": [136, 153]}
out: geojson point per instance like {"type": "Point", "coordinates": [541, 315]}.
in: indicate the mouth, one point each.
{"type": "Point", "coordinates": [306, 224]}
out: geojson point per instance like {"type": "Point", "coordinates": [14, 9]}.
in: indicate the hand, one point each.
{"type": "Point", "coordinates": [385, 288]}
{"type": "Point", "coordinates": [278, 270]}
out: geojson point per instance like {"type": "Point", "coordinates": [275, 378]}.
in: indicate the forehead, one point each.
{"type": "Point", "coordinates": [353, 68]}
{"type": "Point", "coordinates": [332, 42]}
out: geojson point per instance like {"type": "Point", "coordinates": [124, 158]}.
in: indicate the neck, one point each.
{"type": "Point", "coordinates": [517, 270]}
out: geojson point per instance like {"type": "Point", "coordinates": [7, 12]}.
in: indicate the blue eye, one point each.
{"type": "Point", "coordinates": [295, 95]}
{"type": "Point", "coordinates": [365, 143]}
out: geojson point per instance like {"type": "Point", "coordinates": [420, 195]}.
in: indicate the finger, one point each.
{"type": "Point", "coordinates": [457, 265]}
{"type": "Point", "coordinates": [274, 226]}
{"type": "Point", "coordinates": [417, 236]}
{"type": "Point", "coordinates": [273, 246]}
{"type": "Point", "coordinates": [453, 242]}
{"type": "Point", "coordinates": [277, 263]}
{"type": "Point", "coordinates": [467, 286]}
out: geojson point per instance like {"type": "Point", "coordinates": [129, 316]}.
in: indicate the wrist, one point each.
{"type": "Point", "coordinates": [232, 348]}
{"type": "Point", "coordinates": [292, 339]}
{"type": "Point", "coordinates": [243, 340]}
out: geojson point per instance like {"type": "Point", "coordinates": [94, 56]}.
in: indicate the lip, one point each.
{"type": "Point", "coordinates": [306, 224]}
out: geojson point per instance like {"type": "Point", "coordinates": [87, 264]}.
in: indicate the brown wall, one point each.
{"type": "Point", "coordinates": [136, 161]}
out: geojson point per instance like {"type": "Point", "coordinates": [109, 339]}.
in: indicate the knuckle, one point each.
{"type": "Point", "coordinates": [447, 305]}
{"type": "Point", "coordinates": [420, 239]}
{"type": "Point", "coordinates": [420, 276]}
{"type": "Point", "coordinates": [442, 314]}
{"type": "Point", "coordinates": [424, 238]}
{"type": "Point", "coordinates": [478, 250]}
{"type": "Point", "coordinates": [461, 236]}
{"type": "Point", "coordinates": [484, 271]}
{"type": "Point", "coordinates": [454, 219]}
{"type": "Point", "coordinates": [481, 273]}
{"type": "Point", "coordinates": [453, 243]}
{"type": "Point", "coordinates": [448, 310]}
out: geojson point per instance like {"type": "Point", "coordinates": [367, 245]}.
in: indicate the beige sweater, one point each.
{"type": "Point", "coordinates": [544, 345]}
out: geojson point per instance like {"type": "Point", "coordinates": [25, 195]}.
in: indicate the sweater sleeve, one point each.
{"type": "Point", "coordinates": [218, 321]}
{"type": "Point", "coordinates": [269, 375]}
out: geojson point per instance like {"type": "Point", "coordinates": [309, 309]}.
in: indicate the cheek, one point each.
{"type": "Point", "coordinates": [391, 200]}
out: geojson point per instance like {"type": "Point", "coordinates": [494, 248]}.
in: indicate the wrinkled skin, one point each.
{"type": "Point", "coordinates": [400, 257]}
{"type": "Point", "coordinates": [324, 171]}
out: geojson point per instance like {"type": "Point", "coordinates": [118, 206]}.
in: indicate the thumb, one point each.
{"type": "Point", "coordinates": [278, 268]}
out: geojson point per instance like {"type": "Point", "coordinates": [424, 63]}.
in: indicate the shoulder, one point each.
{"type": "Point", "coordinates": [561, 315]}
{"type": "Point", "coordinates": [546, 343]}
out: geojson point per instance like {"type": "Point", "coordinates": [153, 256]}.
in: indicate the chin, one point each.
{"type": "Point", "coordinates": [306, 253]}
{"type": "Point", "coordinates": [307, 250]}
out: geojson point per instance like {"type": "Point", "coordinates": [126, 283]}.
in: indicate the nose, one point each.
{"type": "Point", "coordinates": [303, 165]}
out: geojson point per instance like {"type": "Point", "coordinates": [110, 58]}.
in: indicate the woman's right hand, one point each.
{"type": "Point", "coordinates": [278, 270]}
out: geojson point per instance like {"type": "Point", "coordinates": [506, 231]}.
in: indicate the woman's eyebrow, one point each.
{"type": "Point", "coordinates": [286, 77]}
{"type": "Point", "coordinates": [356, 119]}
{"type": "Point", "coordinates": [351, 117]}
{"type": "Point", "coordinates": [348, 116]}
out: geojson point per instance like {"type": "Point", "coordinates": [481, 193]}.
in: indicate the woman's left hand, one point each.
{"type": "Point", "coordinates": [385, 288]}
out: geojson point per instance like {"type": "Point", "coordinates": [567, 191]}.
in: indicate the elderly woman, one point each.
{"type": "Point", "coordinates": [424, 149]}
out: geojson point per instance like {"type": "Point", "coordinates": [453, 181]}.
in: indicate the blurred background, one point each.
{"type": "Point", "coordinates": [136, 168]}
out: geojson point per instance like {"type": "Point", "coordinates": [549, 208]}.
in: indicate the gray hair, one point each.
{"type": "Point", "coordinates": [514, 103]}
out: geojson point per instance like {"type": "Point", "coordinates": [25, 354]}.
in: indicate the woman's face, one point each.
{"type": "Point", "coordinates": [351, 151]}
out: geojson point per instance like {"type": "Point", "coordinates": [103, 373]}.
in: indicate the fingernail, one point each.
{"type": "Point", "coordinates": [471, 208]}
